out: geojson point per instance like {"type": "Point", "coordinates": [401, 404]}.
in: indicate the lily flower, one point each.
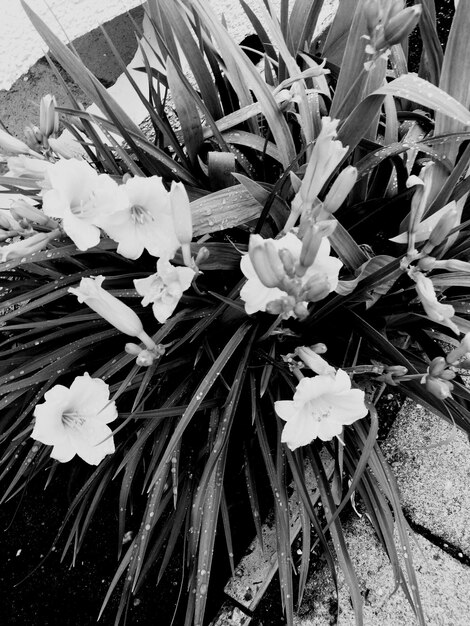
{"type": "Point", "coordinates": [111, 309]}
{"type": "Point", "coordinates": [145, 222]}
{"type": "Point", "coordinates": [74, 420]}
{"type": "Point", "coordinates": [321, 406]}
{"type": "Point", "coordinates": [324, 269]}
{"type": "Point", "coordinates": [81, 197]}
{"type": "Point", "coordinates": [165, 288]}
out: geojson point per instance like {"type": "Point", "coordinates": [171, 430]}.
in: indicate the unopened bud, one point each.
{"type": "Point", "coordinates": [316, 288]}
{"type": "Point", "coordinates": [181, 210]}
{"type": "Point", "coordinates": [437, 366]}
{"type": "Point", "coordinates": [396, 370]}
{"type": "Point", "coordinates": [427, 264]}
{"type": "Point", "coordinates": [265, 260]}
{"type": "Point", "coordinates": [314, 361]}
{"type": "Point", "coordinates": [340, 189]}
{"type": "Point", "coordinates": [400, 25]}
{"type": "Point", "coordinates": [21, 209]}
{"type": "Point", "coordinates": [25, 247]}
{"type": "Point", "coordinates": [33, 137]}
{"type": "Point", "coordinates": [288, 261]}
{"type": "Point", "coordinates": [281, 306]}
{"type": "Point", "coordinates": [319, 348]}
{"type": "Point", "coordinates": [300, 311]}
{"type": "Point", "coordinates": [132, 348]}
{"type": "Point", "coordinates": [448, 375]}
{"type": "Point", "coordinates": [439, 388]}
{"type": "Point", "coordinates": [202, 255]}
{"type": "Point", "coordinates": [145, 358]}
{"type": "Point", "coordinates": [48, 116]}
{"type": "Point", "coordinates": [310, 245]}
{"type": "Point", "coordinates": [460, 351]}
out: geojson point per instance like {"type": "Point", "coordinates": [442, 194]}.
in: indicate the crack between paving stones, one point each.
{"type": "Point", "coordinates": [452, 550]}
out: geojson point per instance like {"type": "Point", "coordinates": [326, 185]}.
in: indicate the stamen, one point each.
{"type": "Point", "coordinates": [73, 419]}
{"type": "Point", "coordinates": [141, 215]}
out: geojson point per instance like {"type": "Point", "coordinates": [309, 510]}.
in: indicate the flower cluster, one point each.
{"type": "Point", "coordinates": [285, 274]}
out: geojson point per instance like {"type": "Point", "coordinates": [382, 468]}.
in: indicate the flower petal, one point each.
{"type": "Point", "coordinates": [83, 234]}
{"type": "Point", "coordinates": [63, 451]}
{"type": "Point", "coordinates": [285, 409]}
{"type": "Point", "coordinates": [93, 442]}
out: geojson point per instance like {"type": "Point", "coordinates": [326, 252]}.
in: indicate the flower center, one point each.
{"type": "Point", "coordinates": [319, 413]}
{"type": "Point", "coordinates": [140, 215]}
{"type": "Point", "coordinates": [73, 419]}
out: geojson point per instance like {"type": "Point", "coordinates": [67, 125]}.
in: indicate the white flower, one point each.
{"type": "Point", "coordinates": [111, 308]}
{"type": "Point", "coordinates": [435, 310]}
{"type": "Point", "coordinates": [321, 406]}
{"type": "Point", "coordinates": [81, 197]}
{"type": "Point", "coordinates": [325, 268]}
{"type": "Point", "coordinates": [145, 222]}
{"type": "Point", "coordinates": [165, 288]}
{"type": "Point", "coordinates": [74, 420]}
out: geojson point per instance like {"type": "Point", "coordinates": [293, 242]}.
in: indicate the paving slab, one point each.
{"type": "Point", "coordinates": [431, 461]}
{"type": "Point", "coordinates": [444, 584]}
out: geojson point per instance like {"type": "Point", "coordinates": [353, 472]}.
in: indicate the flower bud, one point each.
{"type": "Point", "coordinates": [202, 255]}
{"type": "Point", "coordinates": [448, 375]}
{"type": "Point", "coordinates": [401, 24]}
{"type": "Point", "coordinates": [132, 348]}
{"type": "Point", "coordinates": [310, 245]}
{"type": "Point", "coordinates": [21, 209]}
{"type": "Point", "coordinates": [427, 264]}
{"type": "Point", "coordinates": [437, 366]}
{"type": "Point", "coordinates": [300, 311]}
{"type": "Point", "coordinates": [12, 145]}
{"type": "Point", "coordinates": [48, 116]}
{"type": "Point", "coordinates": [314, 361]}
{"type": "Point", "coordinates": [265, 260]}
{"type": "Point", "coordinates": [275, 307]}
{"type": "Point", "coordinates": [283, 306]}
{"type": "Point", "coordinates": [460, 351]}
{"type": "Point", "coordinates": [396, 370]}
{"type": "Point", "coordinates": [33, 137]}
{"type": "Point", "coordinates": [181, 210]}
{"type": "Point", "coordinates": [316, 288]}
{"type": "Point", "coordinates": [26, 246]}
{"type": "Point", "coordinates": [439, 388]}
{"type": "Point", "coordinates": [145, 358]}
{"type": "Point", "coordinates": [7, 221]}
{"type": "Point", "coordinates": [111, 309]}
{"type": "Point", "coordinates": [319, 348]}
{"type": "Point", "coordinates": [288, 261]}
{"type": "Point", "coordinates": [340, 189]}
